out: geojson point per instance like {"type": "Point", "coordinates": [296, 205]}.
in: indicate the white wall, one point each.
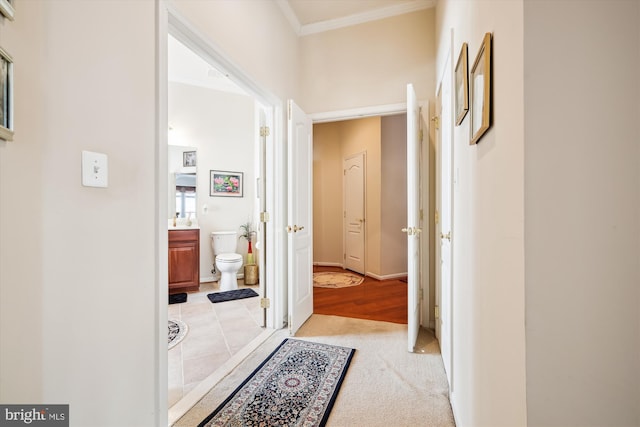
{"type": "Point", "coordinates": [582, 221]}
{"type": "Point", "coordinates": [369, 64]}
{"type": "Point", "coordinates": [222, 128]}
{"type": "Point", "coordinates": [78, 267]}
{"type": "Point", "coordinates": [488, 224]}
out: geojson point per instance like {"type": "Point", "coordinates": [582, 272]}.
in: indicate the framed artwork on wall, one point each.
{"type": "Point", "coordinates": [481, 91]}
{"type": "Point", "coordinates": [6, 9]}
{"type": "Point", "coordinates": [462, 85]}
{"type": "Point", "coordinates": [188, 159]}
{"type": "Point", "coordinates": [6, 96]}
{"type": "Point", "coordinates": [225, 184]}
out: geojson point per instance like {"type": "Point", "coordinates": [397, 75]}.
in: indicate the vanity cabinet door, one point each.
{"type": "Point", "coordinates": [184, 260]}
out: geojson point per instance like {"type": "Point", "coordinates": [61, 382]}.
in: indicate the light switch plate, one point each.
{"type": "Point", "coordinates": [95, 171]}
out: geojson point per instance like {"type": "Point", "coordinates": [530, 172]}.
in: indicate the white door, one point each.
{"type": "Point", "coordinates": [413, 217]}
{"type": "Point", "coordinates": [444, 120]}
{"type": "Point", "coordinates": [300, 210]}
{"type": "Point", "coordinates": [354, 219]}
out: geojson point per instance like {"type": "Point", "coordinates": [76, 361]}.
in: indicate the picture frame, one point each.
{"type": "Point", "coordinates": [6, 9]}
{"type": "Point", "coordinates": [480, 89]}
{"type": "Point", "coordinates": [189, 159]}
{"type": "Point", "coordinates": [225, 184]}
{"type": "Point", "coordinates": [462, 84]}
{"type": "Point", "coordinates": [6, 96]}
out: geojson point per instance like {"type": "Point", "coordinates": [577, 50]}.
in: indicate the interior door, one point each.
{"type": "Point", "coordinates": [444, 121]}
{"type": "Point", "coordinates": [413, 217]}
{"type": "Point", "coordinates": [300, 217]}
{"type": "Point", "coordinates": [354, 218]}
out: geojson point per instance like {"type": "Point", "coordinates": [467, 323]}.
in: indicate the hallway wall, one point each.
{"type": "Point", "coordinates": [582, 212]}
{"type": "Point", "coordinates": [488, 346]}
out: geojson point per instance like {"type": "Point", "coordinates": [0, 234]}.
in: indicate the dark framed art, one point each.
{"type": "Point", "coordinates": [6, 96]}
{"type": "Point", "coordinates": [188, 159]}
{"type": "Point", "coordinates": [481, 91]}
{"type": "Point", "coordinates": [462, 85]}
{"type": "Point", "coordinates": [225, 184]}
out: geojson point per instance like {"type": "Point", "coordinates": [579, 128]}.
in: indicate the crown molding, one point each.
{"type": "Point", "coordinates": [290, 15]}
{"type": "Point", "coordinates": [355, 19]}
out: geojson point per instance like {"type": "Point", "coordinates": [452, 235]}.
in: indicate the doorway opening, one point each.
{"type": "Point", "coordinates": [220, 78]}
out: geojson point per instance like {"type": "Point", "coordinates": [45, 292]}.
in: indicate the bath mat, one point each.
{"type": "Point", "coordinates": [231, 295]}
{"type": "Point", "coordinates": [336, 279]}
{"type": "Point", "coordinates": [177, 331]}
{"type": "Point", "coordinates": [295, 386]}
{"type": "Point", "coordinates": [178, 298]}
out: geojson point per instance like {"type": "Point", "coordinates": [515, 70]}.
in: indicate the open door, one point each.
{"type": "Point", "coordinates": [261, 240]}
{"type": "Point", "coordinates": [300, 217]}
{"type": "Point", "coordinates": [443, 132]}
{"type": "Point", "coordinates": [413, 229]}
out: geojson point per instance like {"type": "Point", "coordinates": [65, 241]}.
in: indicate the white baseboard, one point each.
{"type": "Point", "coordinates": [328, 264]}
{"type": "Point", "coordinates": [386, 276]}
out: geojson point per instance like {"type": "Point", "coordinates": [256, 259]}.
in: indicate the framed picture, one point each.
{"type": "Point", "coordinates": [6, 96]}
{"type": "Point", "coordinates": [188, 159]}
{"type": "Point", "coordinates": [481, 91]}
{"type": "Point", "coordinates": [462, 85]}
{"type": "Point", "coordinates": [6, 9]}
{"type": "Point", "coordinates": [225, 184]}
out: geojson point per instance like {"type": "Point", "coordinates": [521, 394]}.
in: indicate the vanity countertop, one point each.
{"type": "Point", "coordinates": [184, 227]}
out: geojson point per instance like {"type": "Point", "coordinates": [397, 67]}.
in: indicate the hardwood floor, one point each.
{"type": "Point", "coordinates": [384, 300]}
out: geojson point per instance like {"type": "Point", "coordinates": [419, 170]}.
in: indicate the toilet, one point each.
{"type": "Point", "coordinates": [227, 261]}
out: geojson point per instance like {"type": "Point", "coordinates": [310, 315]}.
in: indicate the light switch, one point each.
{"type": "Point", "coordinates": [95, 172]}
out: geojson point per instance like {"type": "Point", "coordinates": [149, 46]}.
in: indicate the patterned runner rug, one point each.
{"type": "Point", "coordinates": [295, 386]}
{"type": "Point", "coordinates": [331, 279]}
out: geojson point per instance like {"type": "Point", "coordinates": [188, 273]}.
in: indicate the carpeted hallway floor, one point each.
{"type": "Point", "coordinates": [385, 385]}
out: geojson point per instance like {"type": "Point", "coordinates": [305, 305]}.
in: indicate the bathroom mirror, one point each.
{"type": "Point", "coordinates": [182, 181]}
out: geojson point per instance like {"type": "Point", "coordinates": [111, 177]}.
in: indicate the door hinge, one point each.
{"type": "Point", "coordinates": [421, 294]}
{"type": "Point", "coordinates": [421, 214]}
{"type": "Point", "coordinates": [265, 303]}
{"type": "Point", "coordinates": [437, 312]}
{"type": "Point", "coordinates": [290, 325]}
{"type": "Point", "coordinates": [436, 121]}
{"type": "Point", "coordinates": [420, 135]}
{"type": "Point", "coordinates": [265, 131]}
{"type": "Point", "coordinates": [437, 217]}
{"type": "Point", "coordinates": [264, 216]}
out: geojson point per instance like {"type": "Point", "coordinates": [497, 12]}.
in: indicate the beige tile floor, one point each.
{"type": "Point", "coordinates": [216, 333]}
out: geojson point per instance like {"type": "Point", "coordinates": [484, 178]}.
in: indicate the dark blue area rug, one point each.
{"type": "Point", "coordinates": [296, 385]}
{"type": "Point", "coordinates": [178, 298]}
{"type": "Point", "coordinates": [232, 295]}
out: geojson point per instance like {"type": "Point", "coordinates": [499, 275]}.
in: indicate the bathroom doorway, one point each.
{"type": "Point", "coordinates": [226, 128]}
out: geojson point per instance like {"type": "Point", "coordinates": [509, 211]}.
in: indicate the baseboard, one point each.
{"type": "Point", "coordinates": [328, 264]}
{"type": "Point", "coordinates": [207, 279]}
{"type": "Point", "coordinates": [386, 276]}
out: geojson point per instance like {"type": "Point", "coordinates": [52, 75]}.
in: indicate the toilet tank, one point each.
{"type": "Point", "coordinates": [224, 242]}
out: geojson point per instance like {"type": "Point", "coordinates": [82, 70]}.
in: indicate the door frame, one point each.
{"type": "Point", "coordinates": [170, 21]}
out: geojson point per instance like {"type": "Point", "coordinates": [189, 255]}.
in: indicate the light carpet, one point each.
{"type": "Point", "coordinates": [336, 279]}
{"type": "Point", "coordinates": [385, 385]}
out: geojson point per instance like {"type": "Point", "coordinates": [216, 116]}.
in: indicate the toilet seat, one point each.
{"type": "Point", "coordinates": [228, 257]}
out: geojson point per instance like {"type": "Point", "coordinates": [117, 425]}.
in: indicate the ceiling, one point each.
{"type": "Point", "coordinates": [314, 16]}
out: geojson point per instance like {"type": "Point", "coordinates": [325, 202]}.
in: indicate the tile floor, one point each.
{"type": "Point", "coordinates": [216, 333]}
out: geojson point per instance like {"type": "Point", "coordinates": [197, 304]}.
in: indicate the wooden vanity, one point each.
{"type": "Point", "coordinates": [184, 260]}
